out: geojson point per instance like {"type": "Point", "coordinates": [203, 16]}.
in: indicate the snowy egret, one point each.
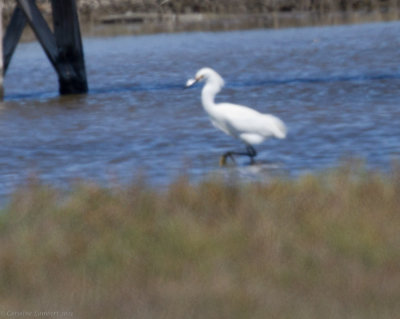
{"type": "Point", "coordinates": [241, 122]}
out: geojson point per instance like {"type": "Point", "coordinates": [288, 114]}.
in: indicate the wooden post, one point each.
{"type": "Point", "coordinates": [63, 48]}
{"type": "Point", "coordinates": [41, 30]}
{"type": "Point", "coordinates": [12, 36]}
{"type": "Point", "coordinates": [1, 50]}
{"type": "Point", "coordinates": [70, 50]}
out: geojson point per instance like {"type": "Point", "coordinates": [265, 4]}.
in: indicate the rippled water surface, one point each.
{"type": "Point", "coordinates": [336, 88]}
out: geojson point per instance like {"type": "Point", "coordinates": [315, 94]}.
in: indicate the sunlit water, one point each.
{"type": "Point", "coordinates": [336, 88]}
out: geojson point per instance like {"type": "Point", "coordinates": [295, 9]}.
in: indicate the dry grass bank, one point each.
{"type": "Point", "coordinates": [127, 17]}
{"type": "Point", "coordinates": [321, 246]}
{"type": "Point", "coordinates": [101, 7]}
{"type": "Point", "coordinates": [222, 6]}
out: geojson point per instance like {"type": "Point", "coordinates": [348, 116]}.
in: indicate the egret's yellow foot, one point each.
{"type": "Point", "coordinates": [222, 160]}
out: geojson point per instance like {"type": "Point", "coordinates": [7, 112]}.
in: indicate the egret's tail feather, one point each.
{"type": "Point", "coordinates": [274, 126]}
{"type": "Point", "coordinates": [281, 129]}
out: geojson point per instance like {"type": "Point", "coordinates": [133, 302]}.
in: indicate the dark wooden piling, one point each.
{"type": "Point", "coordinates": [63, 47]}
{"type": "Point", "coordinates": [1, 49]}
{"type": "Point", "coordinates": [70, 58]}
{"type": "Point", "coordinates": [13, 34]}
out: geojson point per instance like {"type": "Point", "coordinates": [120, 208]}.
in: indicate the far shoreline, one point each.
{"type": "Point", "coordinates": [144, 23]}
{"type": "Point", "coordinates": [141, 23]}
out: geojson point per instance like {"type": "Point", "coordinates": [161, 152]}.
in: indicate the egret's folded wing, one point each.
{"type": "Point", "coordinates": [240, 119]}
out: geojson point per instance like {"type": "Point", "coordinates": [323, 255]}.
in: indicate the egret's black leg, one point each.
{"type": "Point", "coordinates": [224, 157]}
{"type": "Point", "coordinates": [251, 152]}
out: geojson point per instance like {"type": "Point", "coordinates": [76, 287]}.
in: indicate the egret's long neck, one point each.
{"type": "Point", "coordinates": [208, 94]}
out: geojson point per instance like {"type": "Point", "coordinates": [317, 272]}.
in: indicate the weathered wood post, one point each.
{"type": "Point", "coordinates": [70, 50]}
{"type": "Point", "coordinates": [12, 36]}
{"type": "Point", "coordinates": [63, 47]}
{"type": "Point", "coordinates": [1, 50]}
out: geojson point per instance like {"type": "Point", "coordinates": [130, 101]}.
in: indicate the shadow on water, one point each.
{"type": "Point", "coordinates": [155, 87]}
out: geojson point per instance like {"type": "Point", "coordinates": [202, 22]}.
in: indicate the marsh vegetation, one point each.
{"type": "Point", "coordinates": [322, 245]}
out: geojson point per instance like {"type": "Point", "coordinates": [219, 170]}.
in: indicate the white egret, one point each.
{"type": "Point", "coordinates": [241, 122]}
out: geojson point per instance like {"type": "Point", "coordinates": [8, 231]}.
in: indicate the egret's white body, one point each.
{"type": "Point", "coordinates": [241, 122]}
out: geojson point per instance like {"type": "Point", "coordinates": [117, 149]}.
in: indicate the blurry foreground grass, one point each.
{"type": "Point", "coordinates": [320, 246]}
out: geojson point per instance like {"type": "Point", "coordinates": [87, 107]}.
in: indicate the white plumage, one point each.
{"type": "Point", "coordinates": [239, 121]}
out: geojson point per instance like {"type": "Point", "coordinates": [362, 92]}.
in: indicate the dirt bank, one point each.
{"type": "Point", "coordinates": [101, 7]}
{"type": "Point", "coordinates": [112, 17]}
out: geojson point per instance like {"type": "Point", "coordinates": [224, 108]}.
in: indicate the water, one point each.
{"type": "Point", "coordinates": [336, 88]}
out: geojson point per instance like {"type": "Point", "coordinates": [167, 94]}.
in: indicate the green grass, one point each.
{"type": "Point", "coordinates": [320, 246]}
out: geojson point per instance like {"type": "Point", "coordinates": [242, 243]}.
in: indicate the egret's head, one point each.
{"type": "Point", "coordinates": [209, 76]}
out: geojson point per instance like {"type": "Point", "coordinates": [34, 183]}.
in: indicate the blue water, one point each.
{"type": "Point", "coordinates": [336, 88]}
